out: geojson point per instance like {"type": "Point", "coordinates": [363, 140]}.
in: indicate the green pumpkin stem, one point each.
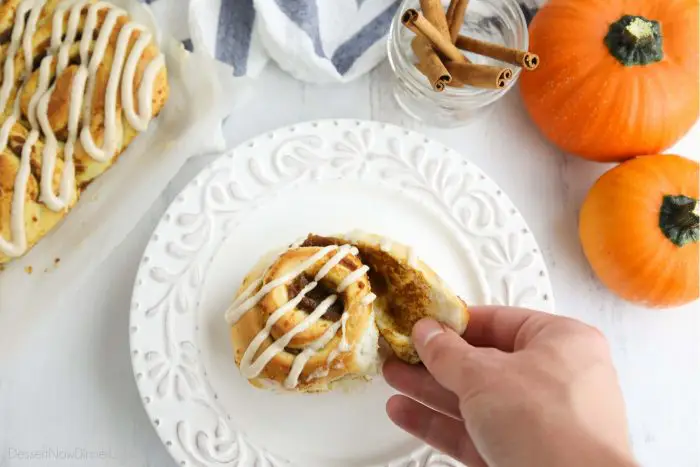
{"type": "Point", "coordinates": [679, 219]}
{"type": "Point", "coordinates": [635, 40]}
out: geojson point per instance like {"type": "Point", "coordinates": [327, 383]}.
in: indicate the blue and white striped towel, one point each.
{"type": "Point", "coordinates": [317, 41]}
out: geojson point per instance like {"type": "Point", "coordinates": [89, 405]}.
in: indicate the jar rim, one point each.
{"type": "Point", "coordinates": [468, 91]}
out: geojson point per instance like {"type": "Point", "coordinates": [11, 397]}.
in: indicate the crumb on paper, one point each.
{"type": "Point", "coordinates": [56, 261]}
{"type": "Point", "coordinates": [28, 269]}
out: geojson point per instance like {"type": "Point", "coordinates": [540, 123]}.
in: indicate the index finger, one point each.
{"type": "Point", "coordinates": [505, 328]}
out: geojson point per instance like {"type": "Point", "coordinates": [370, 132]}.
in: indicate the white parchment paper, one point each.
{"type": "Point", "coordinates": [202, 93]}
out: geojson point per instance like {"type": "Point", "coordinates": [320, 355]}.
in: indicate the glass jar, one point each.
{"type": "Point", "coordinates": [498, 21]}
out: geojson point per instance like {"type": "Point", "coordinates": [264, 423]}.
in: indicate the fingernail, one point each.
{"type": "Point", "coordinates": [426, 330]}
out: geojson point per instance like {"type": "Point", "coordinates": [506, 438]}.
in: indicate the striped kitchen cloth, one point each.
{"type": "Point", "coordinates": [317, 41]}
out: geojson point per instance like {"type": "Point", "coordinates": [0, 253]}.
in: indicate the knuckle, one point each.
{"type": "Point", "coordinates": [589, 336]}
{"type": "Point", "coordinates": [595, 337]}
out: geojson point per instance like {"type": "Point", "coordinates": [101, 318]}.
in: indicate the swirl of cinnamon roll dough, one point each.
{"type": "Point", "coordinates": [306, 320]}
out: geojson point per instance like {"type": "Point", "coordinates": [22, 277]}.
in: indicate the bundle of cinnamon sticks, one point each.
{"type": "Point", "coordinates": [438, 46]}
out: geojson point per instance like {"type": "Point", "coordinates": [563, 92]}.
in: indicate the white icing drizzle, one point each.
{"type": "Point", "coordinates": [8, 72]}
{"type": "Point", "coordinates": [251, 370]}
{"type": "Point", "coordinates": [5, 131]}
{"type": "Point", "coordinates": [17, 221]}
{"type": "Point", "coordinates": [94, 64]}
{"type": "Point", "coordinates": [112, 134]}
{"type": "Point", "coordinates": [246, 293]}
{"type": "Point", "coordinates": [249, 298]}
{"type": "Point", "coordinates": [68, 176]}
{"type": "Point", "coordinates": [67, 185]}
{"type": "Point", "coordinates": [323, 371]}
{"type": "Point", "coordinates": [57, 21]}
{"type": "Point", "coordinates": [245, 302]}
{"type": "Point", "coordinates": [369, 298]}
{"type": "Point", "coordinates": [72, 31]}
{"type": "Point", "coordinates": [301, 359]}
{"type": "Point", "coordinates": [82, 90]}
{"type": "Point", "coordinates": [42, 86]}
{"type": "Point", "coordinates": [139, 121]}
{"type": "Point", "coordinates": [265, 332]}
{"type": "Point", "coordinates": [29, 35]}
{"type": "Point", "coordinates": [344, 346]}
{"type": "Point", "coordinates": [352, 278]}
{"type": "Point", "coordinates": [17, 226]}
{"type": "Point", "coordinates": [336, 259]}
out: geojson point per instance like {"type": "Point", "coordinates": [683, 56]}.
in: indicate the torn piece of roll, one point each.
{"type": "Point", "coordinates": [407, 289]}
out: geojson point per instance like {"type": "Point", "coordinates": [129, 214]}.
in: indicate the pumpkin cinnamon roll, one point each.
{"type": "Point", "coordinates": [313, 315]}
{"type": "Point", "coordinates": [305, 321]}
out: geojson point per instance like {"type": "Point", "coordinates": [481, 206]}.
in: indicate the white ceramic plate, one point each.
{"type": "Point", "coordinates": [322, 177]}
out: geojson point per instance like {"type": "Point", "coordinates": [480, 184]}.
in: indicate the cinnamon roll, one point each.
{"type": "Point", "coordinates": [306, 320]}
{"type": "Point", "coordinates": [80, 81]}
{"type": "Point", "coordinates": [312, 316]}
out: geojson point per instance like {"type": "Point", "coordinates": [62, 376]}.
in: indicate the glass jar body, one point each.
{"type": "Point", "coordinates": [498, 21]}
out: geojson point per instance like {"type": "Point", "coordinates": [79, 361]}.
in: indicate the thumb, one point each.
{"type": "Point", "coordinates": [452, 361]}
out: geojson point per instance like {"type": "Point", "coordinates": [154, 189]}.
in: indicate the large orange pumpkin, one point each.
{"type": "Point", "coordinates": [639, 230]}
{"type": "Point", "coordinates": [617, 78]}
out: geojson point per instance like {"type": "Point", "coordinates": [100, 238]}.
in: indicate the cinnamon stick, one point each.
{"type": "Point", "coordinates": [433, 12]}
{"type": "Point", "coordinates": [417, 23]}
{"type": "Point", "coordinates": [455, 17]}
{"type": "Point", "coordinates": [483, 76]}
{"type": "Point", "coordinates": [521, 58]}
{"type": "Point", "coordinates": [460, 84]}
{"type": "Point", "coordinates": [429, 64]}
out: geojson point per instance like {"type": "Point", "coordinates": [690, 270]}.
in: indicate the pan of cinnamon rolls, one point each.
{"type": "Point", "coordinates": [80, 80]}
{"type": "Point", "coordinates": [314, 316]}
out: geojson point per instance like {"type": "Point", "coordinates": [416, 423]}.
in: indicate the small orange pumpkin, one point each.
{"type": "Point", "coordinates": [618, 78]}
{"type": "Point", "coordinates": [639, 230]}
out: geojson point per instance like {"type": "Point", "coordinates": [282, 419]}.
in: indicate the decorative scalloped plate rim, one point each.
{"type": "Point", "coordinates": [421, 193]}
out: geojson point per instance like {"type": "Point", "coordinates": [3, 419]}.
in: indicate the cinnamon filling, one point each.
{"type": "Point", "coordinates": [406, 294]}
{"type": "Point", "coordinates": [5, 35]}
{"type": "Point", "coordinates": [314, 298]}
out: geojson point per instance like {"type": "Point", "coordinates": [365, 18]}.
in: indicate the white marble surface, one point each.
{"type": "Point", "coordinates": [70, 388]}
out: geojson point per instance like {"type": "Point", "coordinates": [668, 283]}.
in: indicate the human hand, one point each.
{"type": "Point", "coordinates": [520, 388]}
